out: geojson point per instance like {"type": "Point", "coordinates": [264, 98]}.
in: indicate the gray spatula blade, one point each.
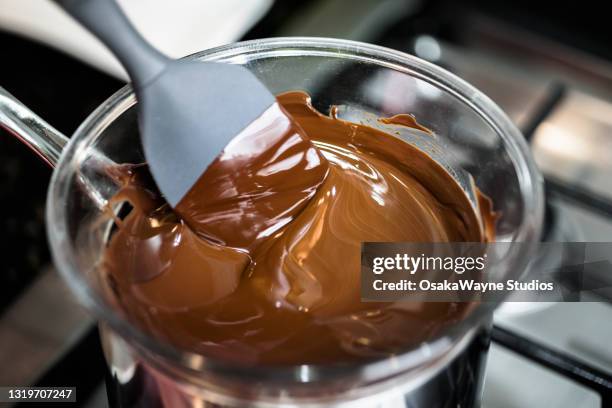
{"type": "Point", "coordinates": [188, 111]}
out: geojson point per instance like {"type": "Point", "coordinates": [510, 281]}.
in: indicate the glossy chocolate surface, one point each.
{"type": "Point", "coordinates": [266, 269]}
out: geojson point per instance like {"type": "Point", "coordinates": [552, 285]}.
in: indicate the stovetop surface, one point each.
{"type": "Point", "coordinates": [540, 93]}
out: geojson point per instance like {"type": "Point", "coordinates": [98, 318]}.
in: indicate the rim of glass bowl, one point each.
{"type": "Point", "coordinates": [64, 256]}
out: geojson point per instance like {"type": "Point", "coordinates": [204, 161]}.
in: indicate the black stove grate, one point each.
{"type": "Point", "coordinates": [561, 363]}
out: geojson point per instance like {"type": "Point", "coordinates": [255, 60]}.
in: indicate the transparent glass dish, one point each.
{"type": "Point", "coordinates": [471, 135]}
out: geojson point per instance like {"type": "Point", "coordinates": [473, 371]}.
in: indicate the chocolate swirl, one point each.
{"type": "Point", "coordinates": [283, 287]}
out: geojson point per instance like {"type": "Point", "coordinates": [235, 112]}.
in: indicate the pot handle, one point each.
{"type": "Point", "coordinates": [46, 141]}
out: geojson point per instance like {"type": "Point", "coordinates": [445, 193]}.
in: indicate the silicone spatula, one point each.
{"type": "Point", "coordinates": [188, 110]}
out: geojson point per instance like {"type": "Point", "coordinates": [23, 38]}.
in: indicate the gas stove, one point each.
{"type": "Point", "coordinates": [561, 99]}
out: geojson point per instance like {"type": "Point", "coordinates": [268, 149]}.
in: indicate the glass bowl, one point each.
{"type": "Point", "coordinates": [472, 134]}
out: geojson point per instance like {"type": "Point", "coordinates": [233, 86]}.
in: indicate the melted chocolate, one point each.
{"type": "Point", "coordinates": [259, 183]}
{"type": "Point", "coordinates": [282, 287]}
{"type": "Point", "coordinates": [407, 120]}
